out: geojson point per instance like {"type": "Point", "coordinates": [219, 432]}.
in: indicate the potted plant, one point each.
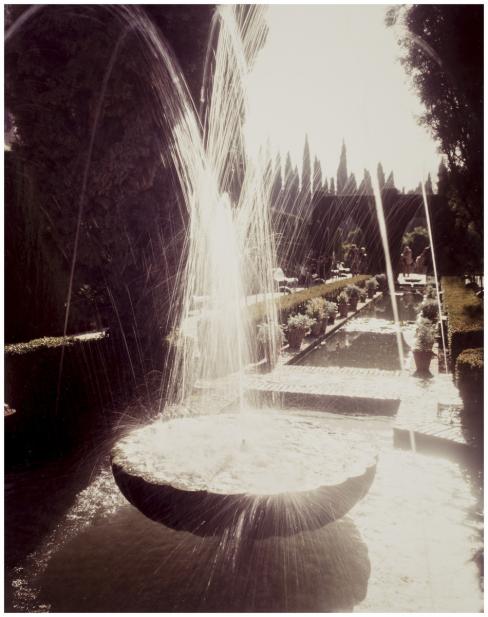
{"type": "Point", "coordinates": [297, 328]}
{"type": "Point", "coordinates": [371, 287]}
{"type": "Point", "coordinates": [316, 309]}
{"type": "Point", "coordinates": [429, 309]}
{"type": "Point", "coordinates": [331, 308]}
{"type": "Point", "coordinates": [342, 304]}
{"type": "Point", "coordinates": [382, 281]}
{"type": "Point", "coordinates": [270, 342]}
{"type": "Point", "coordinates": [353, 293]}
{"type": "Point", "coordinates": [424, 341]}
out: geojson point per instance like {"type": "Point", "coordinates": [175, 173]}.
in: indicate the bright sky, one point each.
{"type": "Point", "coordinates": [332, 71]}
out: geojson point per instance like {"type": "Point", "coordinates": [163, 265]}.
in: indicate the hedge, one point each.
{"type": "Point", "coordinates": [52, 342]}
{"type": "Point", "coordinates": [465, 316]}
{"type": "Point", "coordinates": [469, 377]}
{"type": "Point", "coordinates": [286, 303]}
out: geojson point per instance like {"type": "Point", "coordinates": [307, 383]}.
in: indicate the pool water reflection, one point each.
{"type": "Point", "coordinates": [369, 340]}
{"type": "Point", "coordinates": [407, 546]}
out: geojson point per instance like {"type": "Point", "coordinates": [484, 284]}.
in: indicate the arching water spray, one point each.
{"type": "Point", "coordinates": [389, 270]}
{"type": "Point", "coordinates": [434, 265]}
{"type": "Point", "coordinates": [81, 203]}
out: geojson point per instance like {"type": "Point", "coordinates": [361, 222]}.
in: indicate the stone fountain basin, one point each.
{"type": "Point", "coordinates": [251, 504]}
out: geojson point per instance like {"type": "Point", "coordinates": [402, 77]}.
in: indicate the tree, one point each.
{"type": "Point", "coordinates": [342, 176]}
{"type": "Point", "coordinates": [390, 183]}
{"type": "Point", "coordinates": [366, 187]}
{"type": "Point", "coordinates": [351, 186]}
{"type": "Point", "coordinates": [428, 186]}
{"type": "Point", "coordinates": [332, 187]}
{"type": "Point", "coordinates": [381, 176]}
{"type": "Point", "coordinates": [417, 240]}
{"type": "Point", "coordinates": [306, 169]}
{"type": "Point", "coordinates": [443, 54]}
{"type": "Point", "coordinates": [129, 241]}
{"type": "Point", "coordinates": [317, 175]}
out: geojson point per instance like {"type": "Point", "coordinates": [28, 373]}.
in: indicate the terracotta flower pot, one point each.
{"type": "Point", "coordinates": [353, 303]}
{"type": "Point", "coordinates": [295, 338]}
{"type": "Point", "coordinates": [343, 310]}
{"type": "Point", "coordinates": [371, 293]}
{"type": "Point", "coordinates": [422, 360]}
{"type": "Point", "coordinates": [332, 319]}
{"type": "Point", "coordinates": [316, 329]}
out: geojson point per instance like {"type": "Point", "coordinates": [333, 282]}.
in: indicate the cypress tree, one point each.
{"type": "Point", "coordinates": [342, 176]}
{"type": "Point", "coordinates": [306, 169]}
{"type": "Point", "coordinates": [390, 183]}
{"type": "Point", "coordinates": [381, 176]}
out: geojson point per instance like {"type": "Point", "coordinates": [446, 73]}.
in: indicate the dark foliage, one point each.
{"type": "Point", "coordinates": [131, 224]}
{"type": "Point", "coordinates": [444, 57]}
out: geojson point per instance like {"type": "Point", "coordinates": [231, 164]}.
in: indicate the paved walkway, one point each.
{"type": "Point", "coordinates": [330, 388]}
{"type": "Point", "coordinates": [427, 410]}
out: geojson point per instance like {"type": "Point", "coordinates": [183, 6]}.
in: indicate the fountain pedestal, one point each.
{"type": "Point", "coordinates": [248, 496]}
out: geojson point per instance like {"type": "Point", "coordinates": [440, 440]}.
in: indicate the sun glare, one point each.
{"type": "Point", "coordinates": [333, 72]}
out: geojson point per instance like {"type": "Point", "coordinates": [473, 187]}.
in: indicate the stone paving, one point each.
{"type": "Point", "coordinates": [427, 410]}
{"type": "Point", "coordinates": [343, 389]}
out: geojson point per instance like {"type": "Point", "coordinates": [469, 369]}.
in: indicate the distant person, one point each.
{"type": "Point", "coordinates": [363, 266]}
{"type": "Point", "coordinates": [305, 274]}
{"type": "Point", "coordinates": [406, 260]}
{"type": "Point", "coordinates": [423, 261]}
{"type": "Point", "coordinates": [326, 267]}
{"type": "Point", "coordinates": [354, 260]}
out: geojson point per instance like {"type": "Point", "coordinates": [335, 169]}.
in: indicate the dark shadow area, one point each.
{"type": "Point", "coordinates": [127, 563]}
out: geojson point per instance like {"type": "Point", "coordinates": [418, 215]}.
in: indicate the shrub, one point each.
{"type": "Point", "coordinates": [299, 322]}
{"type": "Point", "coordinates": [372, 284]}
{"type": "Point", "coordinates": [353, 292]}
{"type": "Point", "coordinates": [316, 308]}
{"type": "Point", "coordinates": [285, 304]}
{"type": "Point", "coordinates": [342, 298]}
{"type": "Point", "coordinates": [270, 340]}
{"type": "Point", "coordinates": [430, 292]}
{"type": "Point", "coordinates": [270, 334]}
{"type": "Point", "coordinates": [469, 378]}
{"type": "Point", "coordinates": [429, 309]}
{"type": "Point", "coordinates": [424, 335]}
{"type": "Point", "coordinates": [382, 281]}
{"type": "Point", "coordinates": [331, 309]}
{"type": "Point", "coordinates": [465, 316]}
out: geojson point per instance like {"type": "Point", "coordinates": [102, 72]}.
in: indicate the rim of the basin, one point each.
{"type": "Point", "coordinates": [208, 513]}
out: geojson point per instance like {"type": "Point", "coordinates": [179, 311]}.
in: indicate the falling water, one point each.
{"type": "Point", "coordinates": [227, 197]}
{"type": "Point", "coordinates": [389, 270]}
{"type": "Point", "coordinates": [434, 264]}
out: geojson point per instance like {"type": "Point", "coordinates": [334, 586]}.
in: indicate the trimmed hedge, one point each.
{"type": "Point", "coordinates": [52, 342]}
{"type": "Point", "coordinates": [287, 303]}
{"type": "Point", "coordinates": [465, 316]}
{"type": "Point", "coordinates": [469, 378]}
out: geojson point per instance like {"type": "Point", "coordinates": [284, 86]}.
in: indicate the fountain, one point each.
{"type": "Point", "coordinates": [257, 473]}
{"type": "Point", "coordinates": [253, 474]}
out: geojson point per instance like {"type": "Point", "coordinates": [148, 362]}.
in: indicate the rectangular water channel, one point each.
{"type": "Point", "coordinates": [368, 340]}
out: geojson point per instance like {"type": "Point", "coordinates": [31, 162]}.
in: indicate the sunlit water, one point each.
{"type": "Point", "coordinates": [370, 339]}
{"type": "Point", "coordinates": [407, 546]}
{"type": "Point", "coordinates": [254, 452]}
